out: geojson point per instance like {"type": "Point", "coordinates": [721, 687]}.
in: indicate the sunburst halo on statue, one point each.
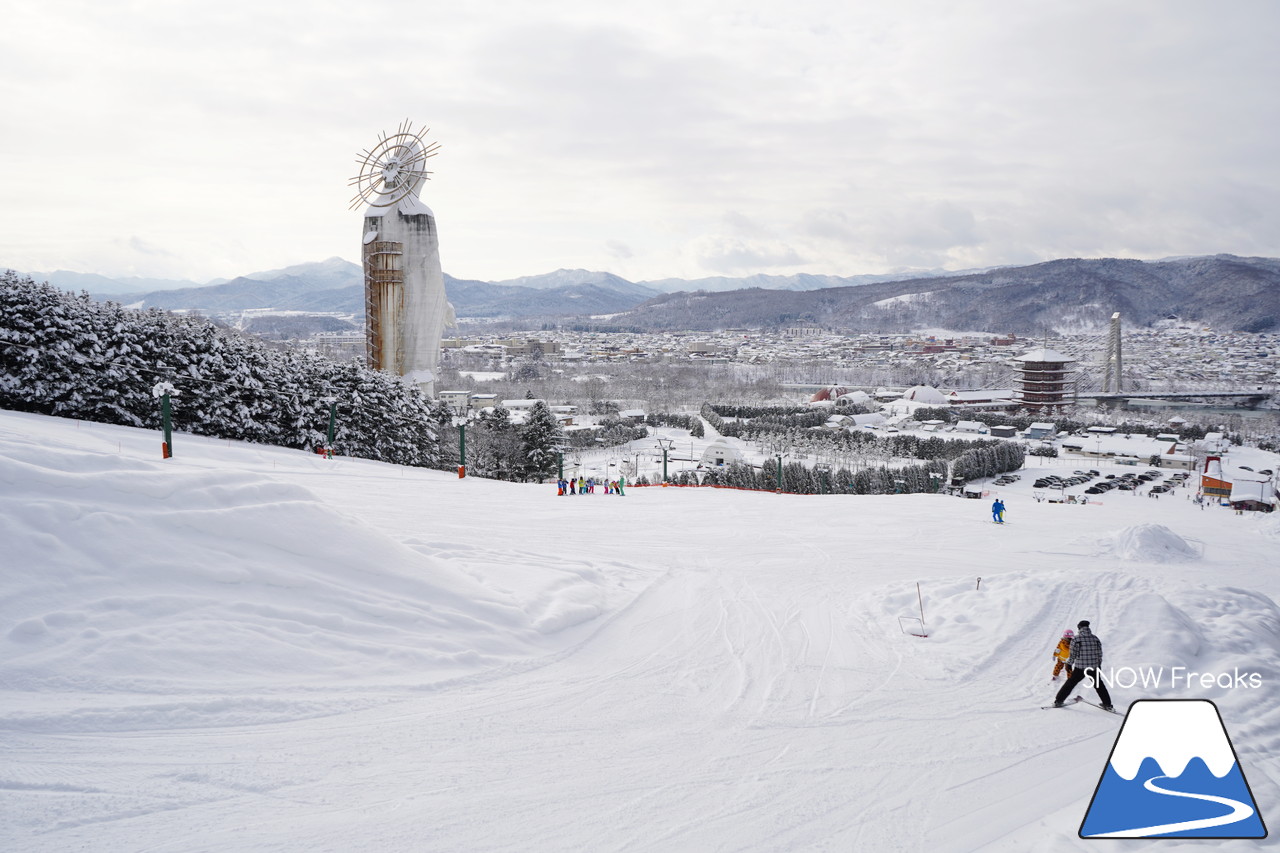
{"type": "Point", "coordinates": [393, 168]}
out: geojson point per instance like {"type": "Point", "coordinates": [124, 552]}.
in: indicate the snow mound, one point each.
{"type": "Point", "coordinates": [1149, 543]}
{"type": "Point", "coordinates": [1155, 633]}
{"type": "Point", "coordinates": [125, 572]}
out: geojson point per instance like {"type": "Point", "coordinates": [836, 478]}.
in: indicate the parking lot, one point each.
{"type": "Point", "coordinates": [1051, 480]}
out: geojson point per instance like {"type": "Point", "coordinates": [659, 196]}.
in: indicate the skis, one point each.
{"type": "Point", "coordinates": [1099, 707]}
{"type": "Point", "coordinates": [1075, 699]}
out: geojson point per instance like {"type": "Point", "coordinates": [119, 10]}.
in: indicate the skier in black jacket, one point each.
{"type": "Point", "coordinates": [1085, 660]}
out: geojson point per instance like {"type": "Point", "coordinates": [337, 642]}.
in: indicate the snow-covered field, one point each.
{"type": "Point", "coordinates": [247, 648]}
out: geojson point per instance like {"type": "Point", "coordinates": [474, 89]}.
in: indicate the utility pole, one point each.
{"type": "Point", "coordinates": [462, 449]}
{"type": "Point", "coordinates": [461, 413]}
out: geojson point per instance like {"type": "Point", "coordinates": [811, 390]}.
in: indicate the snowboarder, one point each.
{"type": "Point", "coordinates": [997, 511]}
{"type": "Point", "coordinates": [1085, 661]}
{"type": "Point", "coordinates": [1061, 653]}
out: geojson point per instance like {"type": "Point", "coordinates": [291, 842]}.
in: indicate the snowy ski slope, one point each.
{"type": "Point", "coordinates": [247, 648]}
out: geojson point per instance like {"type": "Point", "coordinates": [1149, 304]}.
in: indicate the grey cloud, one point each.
{"type": "Point", "coordinates": [729, 255]}
{"type": "Point", "coordinates": [143, 247]}
{"type": "Point", "coordinates": [868, 135]}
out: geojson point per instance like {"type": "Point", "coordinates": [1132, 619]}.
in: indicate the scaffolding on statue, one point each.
{"type": "Point", "coordinates": [384, 305]}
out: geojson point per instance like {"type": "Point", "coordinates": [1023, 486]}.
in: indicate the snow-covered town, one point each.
{"type": "Point", "coordinates": [1210, 470]}
{"type": "Point", "coordinates": [1173, 358]}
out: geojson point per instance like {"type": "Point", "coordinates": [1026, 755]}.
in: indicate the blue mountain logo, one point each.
{"type": "Point", "coordinates": [1173, 773]}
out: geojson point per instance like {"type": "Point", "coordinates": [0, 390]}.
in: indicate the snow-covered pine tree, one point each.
{"type": "Point", "coordinates": [44, 351]}
{"type": "Point", "coordinates": [123, 376]}
{"type": "Point", "coordinates": [540, 438]}
{"type": "Point", "coordinates": [497, 446]}
{"type": "Point", "coordinates": [797, 479]}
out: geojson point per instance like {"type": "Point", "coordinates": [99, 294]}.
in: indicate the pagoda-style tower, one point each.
{"type": "Point", "coordinates": [1042, 378]}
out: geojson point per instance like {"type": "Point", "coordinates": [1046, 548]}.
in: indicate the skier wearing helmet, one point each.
{"type": "Point", "coordinates": [1063, 652]}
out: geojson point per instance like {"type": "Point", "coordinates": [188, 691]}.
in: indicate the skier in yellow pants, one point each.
{"type": "Point", "coordinates": [1063, 652]}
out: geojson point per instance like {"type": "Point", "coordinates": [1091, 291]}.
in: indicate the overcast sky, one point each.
{"type": "Point", "coordinates": [663, 139]}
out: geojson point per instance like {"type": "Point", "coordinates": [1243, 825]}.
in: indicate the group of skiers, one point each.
{"type": "Point", "coordinates": [1080, 653]}
{"type": "Point", "coordinates": [587, 486]}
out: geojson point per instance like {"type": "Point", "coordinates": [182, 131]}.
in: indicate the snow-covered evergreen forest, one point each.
{"type": "Point", "coordinates": [68, 355]}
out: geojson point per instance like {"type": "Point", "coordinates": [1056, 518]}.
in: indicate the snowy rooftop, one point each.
{"type": "Point", "coordinates": [1044, 354]}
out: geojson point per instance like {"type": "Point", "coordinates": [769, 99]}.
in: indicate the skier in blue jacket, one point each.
{"type": "Point", "coordinates": [997, 511]}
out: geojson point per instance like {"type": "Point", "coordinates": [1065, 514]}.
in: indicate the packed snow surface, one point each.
{"type": "Point", "coordinates": [248, 648]}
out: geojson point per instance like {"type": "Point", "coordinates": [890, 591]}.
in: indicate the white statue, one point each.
{"type": "Point", "coordinates": [405, 306]}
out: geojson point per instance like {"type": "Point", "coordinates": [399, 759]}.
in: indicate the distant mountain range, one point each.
{"type": "Point", "coordinates": [104, 286]}
{"type": "Point", "coordinates": [337, 286]}
{"type": "Point", "coordinates": [1223, 291]}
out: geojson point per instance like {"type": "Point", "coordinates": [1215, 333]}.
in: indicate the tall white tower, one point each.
{"type": "Point", "coordinates": [1113, 361]}
{"type": "Point", "coordinates": [405, 306]}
